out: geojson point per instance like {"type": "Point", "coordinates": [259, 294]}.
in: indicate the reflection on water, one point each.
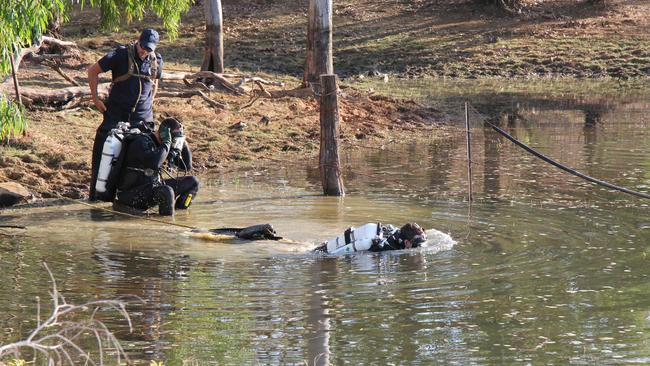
{"type": "Point", "coordinates": [547, 269]}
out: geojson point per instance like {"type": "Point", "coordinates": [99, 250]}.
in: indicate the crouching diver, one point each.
{"type": "Point", "coordinates": [141, 186]}
{"type": "Point", "coordinates": [375, 238]}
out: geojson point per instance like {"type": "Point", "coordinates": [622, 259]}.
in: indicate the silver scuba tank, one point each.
{"type": "Point", "coordinates": [355, 239]}
{"type": "Point", "coordinates": [110, 152]}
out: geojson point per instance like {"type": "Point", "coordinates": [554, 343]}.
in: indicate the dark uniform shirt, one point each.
{"type": "Point", "coordinates": [135, 91]}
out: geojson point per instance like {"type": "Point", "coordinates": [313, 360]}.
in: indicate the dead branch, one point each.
{"type": "Point", "coordinates": [191, 93]}
{"type": "Point", "coordinates": [258, 81]}
{"type": "Point", "coordinates": [46, 57]}
{"type": "Point", "coordinates": [307, 92]}
{"type": "Point", "coordinates": [57, 68]}
{"type": "Point", "coordinates": [263, 89]}
{"type": "Point", "coordinates": [250, 102]}
{"type": "Point", "coordinates": [197, 84]}
{"type": "Point", "coordinates": [33, 50]}
{"type": "Point", "coordinates": [58, 339]}
{"type": "Point", "coordinates": [205, 75]}
{"type": "Point", "coordinates": [58, 42]}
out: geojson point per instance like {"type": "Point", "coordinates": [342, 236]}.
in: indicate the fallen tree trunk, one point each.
{"type": "Point", "coordinates": [19, 56]}
{"type": "Point", "coordinates": [70, 97]}
{"type": "Point", "coordinates": [62, 96]}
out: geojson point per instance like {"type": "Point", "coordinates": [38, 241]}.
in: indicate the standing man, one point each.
{"type": "Point", "coordinates": [135, 70]}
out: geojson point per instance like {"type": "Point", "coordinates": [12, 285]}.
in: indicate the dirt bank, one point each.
{"type": "Point", "coordinates": [54, 156]}
{"type": "Point", "coordinates": [402, 38]}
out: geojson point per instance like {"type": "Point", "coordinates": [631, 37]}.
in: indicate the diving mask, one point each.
{"type": "Point", "coordinates": [177, 142]}
{"type": "Point", "coordinates": [178, 139]}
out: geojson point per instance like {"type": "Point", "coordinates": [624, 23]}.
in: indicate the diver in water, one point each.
{"type": "Point", "coordinates": [375, 238]}
{"type": "Point", "coordinates": [141, 186]}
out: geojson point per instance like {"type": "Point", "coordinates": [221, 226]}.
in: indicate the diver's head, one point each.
{"type": "Point", "coordinates": [176, 129]}
{"type": "Point", "coordinates": [174, 125]}
{"type": "Point", "coordinates": [413, 235]}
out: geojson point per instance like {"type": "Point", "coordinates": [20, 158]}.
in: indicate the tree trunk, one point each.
{"type": "Point", "coordinates": [213, 57]}
{"type": "Point", "coordinates": [330, 165]}
{"type": "Point", "coordinates": [319, 41]}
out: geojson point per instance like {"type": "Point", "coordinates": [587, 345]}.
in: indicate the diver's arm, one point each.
{"type": "Point", "coordinates": [153, 156]}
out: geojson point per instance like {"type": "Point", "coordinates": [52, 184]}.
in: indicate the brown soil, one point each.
{"type": "Point", "coordinates": [266, 38]}
{"type": "Point", "coordinates": [54, 157]}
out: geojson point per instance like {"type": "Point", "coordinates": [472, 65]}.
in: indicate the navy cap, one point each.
{"type": "Point", "coordinates": [149, 39]}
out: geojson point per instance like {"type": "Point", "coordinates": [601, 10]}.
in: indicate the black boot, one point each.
{"type": "Point", "coordinates": [184, 201]}
{"type": "Point", "coordinates": [164, 196]}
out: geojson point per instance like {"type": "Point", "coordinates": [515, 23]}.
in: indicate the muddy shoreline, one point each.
{"type": "Point", "coordinates": [374, 40]}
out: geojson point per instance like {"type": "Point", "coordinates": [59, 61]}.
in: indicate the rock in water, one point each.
{"type": "Point", "coordinates": [12, 193]}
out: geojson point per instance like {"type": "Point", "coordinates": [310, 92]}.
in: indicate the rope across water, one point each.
{"type": "Point", "coordinates": [561, 166]}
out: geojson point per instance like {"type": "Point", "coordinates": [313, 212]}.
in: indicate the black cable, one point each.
{"type": "Point", "coordinates": [563, 167]}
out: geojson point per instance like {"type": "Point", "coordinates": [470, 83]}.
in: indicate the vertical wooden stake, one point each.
{"type": "Point", "coordinates": [469, 152]}
{"type": "Point", "coordinates": [329, 138]}
{"type": "Point", "coordinates": [319, 42]}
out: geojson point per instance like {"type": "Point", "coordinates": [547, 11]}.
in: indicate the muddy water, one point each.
{"type": "Point", "coordinates": [546, 268]}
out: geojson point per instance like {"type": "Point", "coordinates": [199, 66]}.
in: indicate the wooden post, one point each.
{"type": "Point", "coordinates": [213, 56]}
{"type": "Point", "coordinates": [329, 138]}
{"type": "Point", "coordinates": [469, 152]}
{"type": "Point", "coordinates": [319, 42]}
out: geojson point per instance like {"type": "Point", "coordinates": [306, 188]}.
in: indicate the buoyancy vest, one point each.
{"type": "Point", "coordinates": [134, 173]}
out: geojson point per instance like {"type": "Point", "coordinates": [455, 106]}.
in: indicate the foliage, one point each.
{"type": "Point", "coordinates": [20, 20]}
{"type": "Point", "coordinates": [12, 119]}
{"type": "Point", "coordinates": [114, 12]}
{"type": "Point", "coordinates": [156, 363]}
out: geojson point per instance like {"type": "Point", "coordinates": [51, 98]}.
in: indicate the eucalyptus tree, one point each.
{"type": "Point", "coordinates": [19, 21]}
{"type": "Point", "coordinates": [213, 57]}
{"type": "Point", "coordinates": [23, 21]}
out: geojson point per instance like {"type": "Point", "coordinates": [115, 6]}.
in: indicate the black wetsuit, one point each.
{"type": "Point", "coordinates": [140, 185]}
{"type": "Point", "coordinates": [392, 242]}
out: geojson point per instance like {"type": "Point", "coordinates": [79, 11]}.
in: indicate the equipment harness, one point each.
{"type": "Point", "coordinates": [133, 70]}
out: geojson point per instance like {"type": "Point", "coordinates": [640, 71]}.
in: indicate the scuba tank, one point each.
{"type": "Point", "coordinates": [355, 239]}
{"type": "Point", "coordinates": [109, 166]}
{"type": "Point", "coordinates": [110, 152]}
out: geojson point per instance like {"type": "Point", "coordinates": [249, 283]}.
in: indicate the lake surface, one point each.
{"type": "Point", "coordinates": [546, 268]}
